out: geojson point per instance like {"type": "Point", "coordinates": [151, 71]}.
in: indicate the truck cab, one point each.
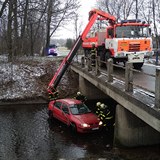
{"type": "Point", "coordinates": [128, 40]}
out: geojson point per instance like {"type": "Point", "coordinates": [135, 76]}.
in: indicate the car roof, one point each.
{"type": "Point", "coordinates": [70, 101]}
{"type": "Point", "coordinates": [52, 46]}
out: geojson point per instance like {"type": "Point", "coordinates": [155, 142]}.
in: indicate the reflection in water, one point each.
{"type": "Point", "coordinates": [77, 145]}
{"type": "Point", "coordinates": [26, 133]}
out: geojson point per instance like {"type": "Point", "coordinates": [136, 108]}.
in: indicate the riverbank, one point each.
{"type": "Point", "coordinates": [25, 80]}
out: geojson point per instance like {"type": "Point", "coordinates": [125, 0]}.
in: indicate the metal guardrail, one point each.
{"type": "Point", "coordinates": [128, 80]}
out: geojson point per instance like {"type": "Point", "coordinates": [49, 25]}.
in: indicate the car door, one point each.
{"type": "Point", "coordinates": [65, 113]}
{"type": "Point", "coordinates": [57, 110]}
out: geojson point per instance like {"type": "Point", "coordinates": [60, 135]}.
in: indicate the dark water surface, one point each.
{"type": "Point", "coordinates": [26, 133]}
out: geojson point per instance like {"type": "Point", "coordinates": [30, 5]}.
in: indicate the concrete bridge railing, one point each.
{"type": "Point", "coordinates": [129, 74]}
{"type": "Point", "coordinates": [136, 119]}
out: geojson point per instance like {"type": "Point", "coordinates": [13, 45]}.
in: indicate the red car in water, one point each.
{"type": "Point", "coordinates": [75, 114]}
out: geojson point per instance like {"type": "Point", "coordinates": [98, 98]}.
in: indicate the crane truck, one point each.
{"type": "Point", "coordinates": [96, 14]}
{"type": "Point", "coordinates": [128, 40]}
{"type": "Point", "coordinates": [117, 42]}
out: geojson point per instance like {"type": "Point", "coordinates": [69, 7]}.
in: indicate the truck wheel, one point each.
{"type": "Point", "coordinates": [137, 65]}
{"type": "Point", "coordinates": [107, 56]}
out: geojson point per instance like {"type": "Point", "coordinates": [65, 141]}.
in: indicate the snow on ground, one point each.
{"type": "Point", "coordinates": [24, 79]}
{"type": "Point", "coordinates": [28, 78]}
{"type": "Point", "coordinates": [18, 79]}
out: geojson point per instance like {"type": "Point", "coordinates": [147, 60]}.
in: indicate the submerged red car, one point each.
{"type": "Point", "coordinates": [75, 114]}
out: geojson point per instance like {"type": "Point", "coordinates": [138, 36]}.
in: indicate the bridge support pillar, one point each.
{"type": "Point", "coordinates": [89, 90]}
{"type": "Point", "coordinates": [131, 131]}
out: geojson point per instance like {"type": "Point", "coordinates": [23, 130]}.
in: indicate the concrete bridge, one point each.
{"type": "Point", "coordinates": [137, 119]}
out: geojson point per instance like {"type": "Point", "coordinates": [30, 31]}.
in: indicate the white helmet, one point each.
{"type": "Point", "coordinates": [102, 106]}
{"type": "Point", "coordinates": [93, 44]}
{"type": "Point", "coordinates": [78, 93]}
{"type": "Point", "coordinates": [98, 103]}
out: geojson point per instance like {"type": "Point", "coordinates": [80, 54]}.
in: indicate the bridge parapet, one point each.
{"type": "Point", "coordinates": [131, 96]}
{"type": "Point", "coordinates": [139, 102]}
{"type": "Point", "coordinates": [128, 81]}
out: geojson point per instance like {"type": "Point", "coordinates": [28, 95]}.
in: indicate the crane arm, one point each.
{"type": "Point", "coordinates": [93, 16]}
{"type": "Point", "coordinates": [103, 16]}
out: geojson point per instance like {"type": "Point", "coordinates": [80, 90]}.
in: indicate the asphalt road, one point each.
{"type": "Point", "coordinates": [142, 78]}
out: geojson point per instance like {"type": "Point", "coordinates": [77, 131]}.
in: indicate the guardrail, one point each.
{"type": "Point", "coordinates": [128, 80]}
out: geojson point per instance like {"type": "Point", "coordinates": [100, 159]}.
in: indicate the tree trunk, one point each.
{"type": "Point", "coordinates": [49, 14]}
{"type": "Point", "coordinates": [31, 36]}
{"type": "Point", "coordinates": [15, 48]}
{"type": "Point", "coordinates": [3, 7]}
{"type": "Point", "coordinates": [9, 31]}
{"type": "Point", "coordinates": [154, 22]}
{"type": "Point", "coordinates": [23, 30]}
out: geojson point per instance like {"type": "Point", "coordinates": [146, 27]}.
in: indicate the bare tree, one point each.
{"type": "Point", "coordinates": [145, 11]}
{"type": "Point", "coordinates": [9, 30]}
{"type": "Point", "coordinates": [123, 9]}
{"type": "Point", "coordinates": [23, 24]}
{"type": "Point", "coordinates": [48, 24]}
{"type": "Point", "coordinates": [59, 12]}
{"type": "Point", "coordinates": [31, 23]}
{"type": "Point", "coordinates": [77, 24]}
{"type": "Point", "coordinates": [154, 2]}
{"type": "Point", "coordinates": [15, 21]}
{"type": "Point", "coordinates": [4, 4]}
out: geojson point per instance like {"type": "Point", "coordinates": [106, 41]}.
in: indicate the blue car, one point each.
{"type": "Point", "coordinates": [52, 50]}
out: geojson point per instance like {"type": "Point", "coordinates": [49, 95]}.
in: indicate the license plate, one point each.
{"type": "Point", "coordinates": [95, 128]}
{"type": "Point", "coordinates": [136, 58]}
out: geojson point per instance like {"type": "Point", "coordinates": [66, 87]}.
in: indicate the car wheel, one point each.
{"type": "Point", "coordinates": [74, 127]}
{"type": "Point", "coordinates": [50, 114]}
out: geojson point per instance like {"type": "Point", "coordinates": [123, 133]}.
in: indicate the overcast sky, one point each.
{"type": "Point", "coordinates": [87, 5]}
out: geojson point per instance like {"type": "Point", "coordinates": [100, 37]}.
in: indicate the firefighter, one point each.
{"type": "Point", "coordinates": [98, 104]}
{"type": "Point", "coordinates": [81, 97]}
{"type": "Point", "coordinates": [93, 54]}
{"type": "Point", "coordinates": [54, 95]}
{"type": "Point", "coordinates": [105, 115]}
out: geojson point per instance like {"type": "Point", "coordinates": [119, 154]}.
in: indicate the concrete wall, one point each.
{"type": "Point", "coordinates": [89, 90]}
{"type": "Point", "coordinates": [136, 123]}
{"type": "Point", "coordinates": [131, 131]}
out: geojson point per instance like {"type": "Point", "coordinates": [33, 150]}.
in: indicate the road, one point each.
{"type": "Point", "coordinates": [26, 133]}
{"type": "Point", "coordinates": [142, 78]}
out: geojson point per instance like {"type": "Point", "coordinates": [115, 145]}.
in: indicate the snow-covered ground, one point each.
{"type": "Point", "coordinates": [28, 78]}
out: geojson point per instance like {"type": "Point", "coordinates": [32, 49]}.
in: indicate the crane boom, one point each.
{"type": "Point", "coordinates": [93, 16]}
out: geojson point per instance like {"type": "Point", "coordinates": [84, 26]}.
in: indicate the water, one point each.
{"type": "Point", "coordinates": [26, 133]}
